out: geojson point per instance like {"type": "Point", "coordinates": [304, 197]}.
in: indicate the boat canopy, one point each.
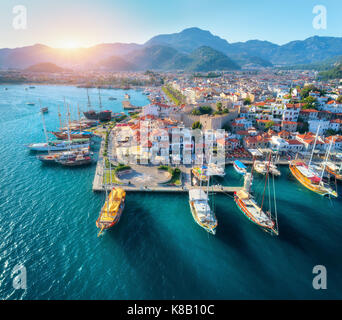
{"type": "Point", "coordinates": [239, 164]}
{"type": "Point", "coordinates": [197, 194]}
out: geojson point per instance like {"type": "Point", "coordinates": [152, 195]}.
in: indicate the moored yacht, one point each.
{"type": "Point", "coordinates": [201, 211]}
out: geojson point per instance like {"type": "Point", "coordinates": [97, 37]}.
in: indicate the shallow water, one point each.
{"type": "Point", "coordinates": [157, 251]}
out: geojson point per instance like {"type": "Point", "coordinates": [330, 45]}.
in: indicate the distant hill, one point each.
{"type": "Point", "coordinates": [206, 59]}
{"type": "Point", "coordinates": [45, 67]}
{"type": "Point", "coordinates": [250, 53]}
{"type": "Point", "coordinates": [189, 39]}
{"type": "Point", "coordinates": [334, 73]}
{"type": "Point", "coordinates": [324, 65]}
{"type": "Point", "coordinates": [166, 58]}
{"type": "Point", "coordinates": [115, 63]}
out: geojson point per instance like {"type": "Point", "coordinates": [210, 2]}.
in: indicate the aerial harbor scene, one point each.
{"type": "Point", "coordinates": [180, 163]}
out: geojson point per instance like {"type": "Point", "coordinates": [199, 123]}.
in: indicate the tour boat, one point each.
{"type": "Point", "coordinates": [44, 110]}
{"type": "Point", "coordinates": [56, 157]}
{"type": "Point", "coordinates": [59, 145]}
{"type": "Point", "coordinates": [112, 209]}
{"type": "Point", "coordinates": [63, 135]}
{"type": "Point", "coordinates": [261, 167]}
{"type": "Point", "coordinates": [308, 176]}
{"type": "Point", "coordinates": [201, 211]}
{"type": "Point", "coordinates": [216, 170]}
{"type": "Point", "coordinates": [30, 103]}
{"type": "Point", "coordinates": [100, 115]}
{"type": "Point", "coordinates": [334, 170]}
{"type": "Point", "coordinates": [251, 209]}
{"type": "Point", "coordinates": [200, 173]}
{"type": "Point", "coordinates": [239, 167]}
{"type": "Point", "coordinates": [78, 160]}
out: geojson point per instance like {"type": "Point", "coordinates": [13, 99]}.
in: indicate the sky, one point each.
{"type": "Point", "coordinates": [83, 23]}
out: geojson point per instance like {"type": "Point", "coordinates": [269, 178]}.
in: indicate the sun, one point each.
{"type": "Point", "coordinates": [70, 45]}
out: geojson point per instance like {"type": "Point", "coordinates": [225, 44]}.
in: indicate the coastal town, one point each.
{"type": "Point", "coordinates": [260, 112]}
{"type": "Point", "coordinates": [179, 150]}
{"type": "Point", "coordinates": [196, 125]}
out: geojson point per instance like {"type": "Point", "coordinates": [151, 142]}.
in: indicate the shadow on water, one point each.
{"type": "Point", "coordinates": [232, 233]}
{"type": "Point", "coordinates": [153, 255]}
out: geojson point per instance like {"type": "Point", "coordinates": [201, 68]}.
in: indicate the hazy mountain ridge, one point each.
{"type": "Point", "coordinates": [252, 52]}
{"type": "Point", "coordinates": [165, 58]}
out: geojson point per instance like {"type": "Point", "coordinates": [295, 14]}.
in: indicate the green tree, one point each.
{"type": "Point", "coordinates": [303, 127]}
{"type": "Point", "coordinates": [219, 106]}
{"type": "Point", "coordinates": [269, 124]}
{"type": "Point", "coordinates": [197, 125]}
{"type": "Point", "coordinates": [247, 101]}
{"type": "Point", "coordinates": [339, 99]}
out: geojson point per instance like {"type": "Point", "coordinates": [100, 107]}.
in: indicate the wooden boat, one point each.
{"type": "Point", "coordinates": [200, 173]}
{"type": "Point", "coordinates": [334, 170]}
{"type": "Point", "coordinates": [250, 208]}
{"type": "Point", "coordinates": [261, 167]}
{"type": "Point", "coordinates": [78, 160]}
{"type": "Point", "coordinates": [239, 167]}
{"type": "Point", "coordinates": [309, 179]}
{"type": "Point", "coordinates": [112, 209]}
{"type": "Point", "coordinates": [73, 135]}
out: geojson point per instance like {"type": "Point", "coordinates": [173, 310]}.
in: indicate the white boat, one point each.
{"type": "Point", "coordinates": [59, 145]}
{"type": "Point", "coordinates": [239, 167]}
{"type": "Point", "coordinates": [261, 167]}
{"type": "Point", "coordinates": [201, 211]}
{"type": "Point", "coordinates": [216, 170]}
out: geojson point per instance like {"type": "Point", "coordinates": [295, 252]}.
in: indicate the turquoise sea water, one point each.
{"type": "Point", "coordinates": [48, 214]}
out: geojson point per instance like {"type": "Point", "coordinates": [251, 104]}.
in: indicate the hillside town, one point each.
{"type": "Point", "coordinates": [263, 111]}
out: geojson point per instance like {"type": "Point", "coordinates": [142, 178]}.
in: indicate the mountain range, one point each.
{"type": "Point", "coordinates": [192, 49]}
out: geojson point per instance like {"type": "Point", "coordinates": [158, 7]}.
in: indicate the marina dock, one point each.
{"type": "Point", "coordinates": [98, 185]}
{"type": "Point", "coordinates": [128, 106]}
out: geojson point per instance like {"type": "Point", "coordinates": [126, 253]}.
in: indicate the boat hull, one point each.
{"type": "Point", "coordinates": [239, 170]}
{"type": "Point", "coordinates": [58, 148]}
{"type": "Point", "coordinates": [306, 183]}
{"type": "Point", "coordinates": [109, 224]}
{"type": "Point", "coordinates": [193, 212]}
{"type": "Point", "coordinates": [336, 175]}
{"type": "Point", "coordinates": [250, 216]}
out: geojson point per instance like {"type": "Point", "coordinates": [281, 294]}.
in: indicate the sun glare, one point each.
{"type": "Point", "coordinates": [70, 45]}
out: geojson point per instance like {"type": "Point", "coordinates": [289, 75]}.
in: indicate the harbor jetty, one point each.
{"type": "Point", "coordinates": [128, 106]}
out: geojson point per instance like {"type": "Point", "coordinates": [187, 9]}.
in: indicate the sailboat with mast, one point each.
{"type": "Point", "coordinates": [331, 168]}
{"type": "Point", "coordinates": [251, 209]}
{"type": "Point", "coordinates": [203, 215]}
{"type": "Point", "coordinates": [309, 177]}
{"type": "Point", "coordinates": [73, 134]}
{"type": "Point", "coordinates": [113, 207]}
{"type": "Point", "coordinates": [91, 114]}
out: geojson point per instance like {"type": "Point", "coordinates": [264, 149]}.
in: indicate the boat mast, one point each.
{"type": "Point", "coordinates": [60, 119]}
{"type": "Point", "coordinates": [44, 126]}
{"type": "Point", "coordinates": [79, 117]}
{"type": "Point", "coordinates": [100, 100]}
{"type": "Point", "coordinates": [268, 169]}
{"type": "Point", "coordinates": [89, 105]}
{"type": "Point", "coordinates": [314, 146]}
{"type": "Point", "coordinates": [68, 119]}
{"type": "Point", "coordinates": [325, 161]}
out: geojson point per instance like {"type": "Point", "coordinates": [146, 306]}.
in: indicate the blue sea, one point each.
{"type": "Point", "coordinates": [157, 251]}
